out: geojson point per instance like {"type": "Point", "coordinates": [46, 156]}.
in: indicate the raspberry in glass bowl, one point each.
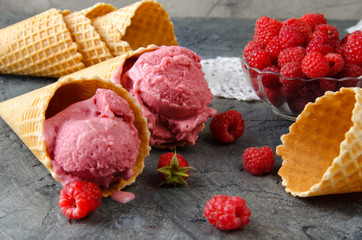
{"type": "Point", "coordinates": [290, 63]}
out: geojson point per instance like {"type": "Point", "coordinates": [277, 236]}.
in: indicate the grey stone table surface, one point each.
{"type": "Point", "coordinates": [29, 196]}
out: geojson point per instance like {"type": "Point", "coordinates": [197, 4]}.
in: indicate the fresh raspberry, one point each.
{"type": "Point", "coordinates": [293, 54]}
{"type": "Point", "coordinates": [258, 59]}
{"type": "Point", "coordinates": [352, 50]}
{"type": "Point", "coordinates": [314, 19]}
{"type": "Point", "coordinates": [327, 85]}
{"type": "Point", "coordinates": [258, 161]}
{"type": "Point", "coordinates": [329, 35]}
{"type": "Point", "coordinates": [328, 32]}
{"type": "Point", "coordinates": [350, 70]}
{"type": "Point", "coordinates": [270, 80]}
{"type": "Point", "coordinates": [273, 48]}
{"type": "Point", "coordinates": [266, 29]}
{"type": "Point", "coordinates": [227, 213]}
{"type": "Point", "coordinates": [319, 44]}
{"type": "Point", "coordinates": [78, 198]}
{"type": "Point", "coordinates": [300, 25]}
{"type": "Point", "coordinates": [173, 169]}
{"type": "Point", "coordinates": [274, 96]}
{"type": "Point", "coordinates": [297, 104]}
{"type": "Point", "coordinates": [251, 46]}
{"type": "Point", "coordinates": [310, 91]}
{"type": "Point", "coordinates": [227, 126]}
{"type": "Point", "coordinates": [336, 63]}
{"type": "Point", "coordinates": [315, 65]}
{"type": "Point", "coordinates": [290, 86]}
{"type": "Point", "coordinates": [291, 36]}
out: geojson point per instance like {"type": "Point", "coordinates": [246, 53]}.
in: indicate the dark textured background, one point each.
{"type": "Point", "coordinates": [29, 196]}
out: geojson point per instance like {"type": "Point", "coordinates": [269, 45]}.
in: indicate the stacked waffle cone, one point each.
{"type": "Point", "coordinates": [26, 114]}
{"type": "Point", "coordinates": [56, 43]}
{"type": "Point", "coordinates": [322, 153]}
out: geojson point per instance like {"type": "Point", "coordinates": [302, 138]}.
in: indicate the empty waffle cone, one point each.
{"type": "Point", "coordinates": [39, 46]}
{"type": "Point", "coordinates": [322, 153]}
{"type": "Point", "coordinates": [137, 25]}
{"type": "Point", "coordinates": [93, 49]}
{"type": "Point", "coordinates": [26, 114]}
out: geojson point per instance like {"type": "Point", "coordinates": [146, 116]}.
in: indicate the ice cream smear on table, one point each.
{"type": "Point", "coordinates": [93, 140]}
{"type": "Point", "coordinates": [170, 86]}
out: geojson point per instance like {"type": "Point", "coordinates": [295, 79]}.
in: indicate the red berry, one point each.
{"type": "Point", "coordinates": [266, 29]}
{"type": "Point", "coordinates": [291, 36]}
{"type": "Point", "coordinates": [227, 213]}
{"type": "Point", "coordinates": [350, 70]}
{"type": "Point", "coordinates": [328, 32]}
{"type": "Point", "coordinates": [293, 54]}
{"type": "Point", "coordinates": [78, 198]}
{"type": "Point", "coordinates": [352, 50]}
{"type": "Point", "coordinates": [258, 59]}
{"type": "Point", "coordinates": [327, 85]}
{"type": "Point", "coordinates": [173, 169]}
{"type": "Point", "coordinates": [273, 48]}
{"type": "Point", "coordinates": [251, 46]}
{"type": "Point", "coordinates": [319, 44]}
{"type": "Point", "coordinates": [336, 63]}
{"type": "Point", "coordinates": [270, 80]}
{"type": "Point", "coordinates": [258, 161]}
{"type": "Point", "coordinates": [274, 96]}
{"type": "Point", "coordinates": [315, 65]}
{"type": "Point", "coordinates": [297, 104]}
{"type": "Point", "coordinates": [227, 126]}
{"type": "Point", "coordinates": [300, 26]}
{"type": "Point", "coordinates": [314, 19]}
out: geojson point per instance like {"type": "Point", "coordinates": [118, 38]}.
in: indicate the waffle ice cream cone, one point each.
{"type": "Point", "coordinates": [322, 153]}
{"type": "Point", "coordinates": [138, 25]}
{"type": "Point", "coordinates": [93, 49]}
{"type": "Point", "coordinates": [26, 114]}
{"type": "Point", "coordinates": [39, 46]}
{"type": "Point", "coordinates": [56, 43]}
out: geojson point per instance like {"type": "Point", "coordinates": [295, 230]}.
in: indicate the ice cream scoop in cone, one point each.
{"type": "Point", "coordinates": [55, 43]}
{"type": "Point", "coordinates": [27, 113]}
{"type": "Point", "coordinates": [322, 153]}
{"type": "Point", "coordinates": [172, 90]}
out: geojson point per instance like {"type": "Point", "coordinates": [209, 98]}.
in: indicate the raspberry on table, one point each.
{"type": "Point", "coordinates": [266, 29]}
{"type": "Point", "coordinates": [293, 54]}
{"type": "Point", "coordinates": [227, 126]}
{"type": "Point", "coordinates": [258, 161]}
{"type": "Point", "coordinates": [79, 198]}
{"type": "Point", "coordinates": [315, 65]}
{"type": "Point", "coordinates": [173, 169]}
{"type": "Point", "coordinates": [227, 213]}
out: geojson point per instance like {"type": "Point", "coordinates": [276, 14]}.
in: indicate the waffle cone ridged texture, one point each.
{"type": "Point", "coordinates": [26, 114]}
{"type": "Point", "coordinates": [56, 43]}
{"type": "Point", "coordinates": [322, 153]}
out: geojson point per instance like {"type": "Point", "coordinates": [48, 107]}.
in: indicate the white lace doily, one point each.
{"type": "Point", "coordinates": [227, 79]}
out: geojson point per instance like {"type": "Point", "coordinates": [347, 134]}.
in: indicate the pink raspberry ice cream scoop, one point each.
{"type": "Point", "coordinates": [170, 86]}
{"type": "Point", "coordinates": [93, 140]}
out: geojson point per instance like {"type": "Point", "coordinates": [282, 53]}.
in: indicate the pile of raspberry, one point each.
{"type": "Point", "coordinates": [304, 48]}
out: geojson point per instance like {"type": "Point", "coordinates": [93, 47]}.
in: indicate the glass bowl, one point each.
{"type": "Point", "coordinates": [288, 99]}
